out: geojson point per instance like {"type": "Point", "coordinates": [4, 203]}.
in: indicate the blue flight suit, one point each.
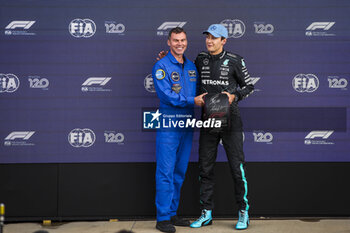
{"type": "Point", "coordinates": [175, 84]}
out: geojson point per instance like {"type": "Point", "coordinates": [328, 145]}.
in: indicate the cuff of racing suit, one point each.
{"type": "Point", "coordinates": [238, 96]}
{"type": "Point", "coordinates": [190, 101]}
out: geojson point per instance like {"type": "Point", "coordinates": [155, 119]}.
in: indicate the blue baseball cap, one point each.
{"type": "Point", "coordinates": [217, 30]}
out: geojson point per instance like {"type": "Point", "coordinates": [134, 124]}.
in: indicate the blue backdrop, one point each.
{"type": "Point", "coordinates": [75, 76]}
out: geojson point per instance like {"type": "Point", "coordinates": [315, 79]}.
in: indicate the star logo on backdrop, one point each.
{"type": "Point", "coordinates": [156, 115]}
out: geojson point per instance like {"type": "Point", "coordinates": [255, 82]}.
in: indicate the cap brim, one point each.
{"type": "Point", "coordinates": [213, 33]}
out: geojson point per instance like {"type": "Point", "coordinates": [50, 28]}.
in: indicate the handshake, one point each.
{"type": "Point", "coordinates": [200, 100]}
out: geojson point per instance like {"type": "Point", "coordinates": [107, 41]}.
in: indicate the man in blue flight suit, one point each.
{"type": "Point", "coordinates": [175, 79]}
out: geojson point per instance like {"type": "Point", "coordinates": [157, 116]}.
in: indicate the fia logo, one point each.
{"type": "Point", "coordinates": [148, 83]}
{"type": "Point", "coordinates": [8, 83]}
{"type": "Point", "coordinates": [81, 137]}
{"type": "Point", "coordinates": [235, 27]}
{"type": "Point", "coordinates": [305, 83]}
{"type": "Point", "coordinates": [151, 119]}
{"type": "Point", "coordinates": [82, 28]}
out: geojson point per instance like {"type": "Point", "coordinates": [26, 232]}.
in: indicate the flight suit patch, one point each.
{"type": "Point", "coordinates": [175, 76]}
{"type": "Point", "coordinates": [176, 88]}
{"type": "Point", "coordinates": [160, 74]}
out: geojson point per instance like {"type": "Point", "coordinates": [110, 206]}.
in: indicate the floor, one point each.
{"type": "Point", "coordinates": [219, 226]}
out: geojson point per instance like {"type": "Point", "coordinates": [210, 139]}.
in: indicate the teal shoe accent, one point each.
{"type": "Point", "coordinates": [243, 220]}
{"type": "Point", "coordinates": [204, 220]}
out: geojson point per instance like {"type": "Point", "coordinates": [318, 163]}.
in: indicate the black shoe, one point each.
{"type": "Point", "coordinates": [177, 221]}
{"type": "Point", "coordinates": [165, 226]}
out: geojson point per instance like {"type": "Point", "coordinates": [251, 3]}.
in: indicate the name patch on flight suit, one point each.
{"type": "Point", "coordinates": [176, 88]}
{"type": "Point", "coordinates": [175, 76]}
{"type": "Point", "coordinates": [192, 73]}
{"type": "Point", "coordinates": [160, 74]}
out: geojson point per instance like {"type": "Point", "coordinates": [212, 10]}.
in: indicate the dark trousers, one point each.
{"type": "Point", "coordinates": [232, 140]}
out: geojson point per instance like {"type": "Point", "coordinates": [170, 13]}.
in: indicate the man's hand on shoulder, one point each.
{"type": "Point", "coordinates": [162, 54]}
{"type": "Point", "coordinates": [198, 100]}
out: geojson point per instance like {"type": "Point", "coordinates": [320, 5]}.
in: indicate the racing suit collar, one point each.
{"type": "Point", "coordinates": [173, 59]}
{"type": "Point", "coordinates": [218, 56]}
